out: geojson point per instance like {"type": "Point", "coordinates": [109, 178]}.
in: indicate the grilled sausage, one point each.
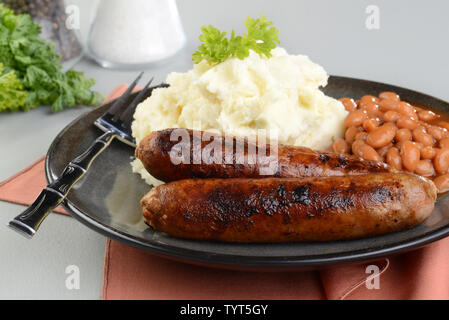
{"type": "Point", "coordinates": [289, 209]}
{"type": "Point", "coordinates": [155, 153]}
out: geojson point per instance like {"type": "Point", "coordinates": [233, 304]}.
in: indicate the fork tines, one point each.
{"type": "Point", "coordinates": [127, 115]}
{"type": "Point", "coordinates": [119, 116]}
{"type": "Point", "coordinates": [120, 104]}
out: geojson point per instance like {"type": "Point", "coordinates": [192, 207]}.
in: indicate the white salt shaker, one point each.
{"type": "Point", "coordinates": [134, 34]}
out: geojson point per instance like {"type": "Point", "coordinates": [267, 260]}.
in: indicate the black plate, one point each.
{"type": "Point", "coordinates": [107, 200]}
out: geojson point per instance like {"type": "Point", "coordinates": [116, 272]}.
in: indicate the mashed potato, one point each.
{"type": "Point", "coordinates": [237, 97]}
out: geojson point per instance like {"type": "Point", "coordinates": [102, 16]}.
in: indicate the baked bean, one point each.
{"type": "Point", "coordinates": [419, 135]}
{"type": "Point", "coordinates": [391, 116]}
{"type": "Point", "coordinates": [372, 110]}
{"type": "Point", "coordinates": [444, 143]}
{"type": "Point", "coordinates": [370, 124]}
{"type": "Point", "coordinates": [403, 135]}
{"type": "Point", "coordinates": [426, 115]}
{"type": "Point", "coordinates": [410, 155]}
{"type": "Point", "coordinates": [361, 136]}
{"type": "Point", "coordinates": [425, 168]}
{"type": "Point", "coordinates": [406, 109]}
{"type": "Point", "coordinates": [394, 159]}
{"type": "Point", "coordinates": [340, 146]}
{"type": "Point", "coordinates": [420, 128]}
{"type": "Point", "coordinates": [442, 183]}
{"type": "Point", "coordinates": [381, 136]}
{"type": "Point", "coordinates": [356, 146]}
{"type": "Point", "coordinates": [355, 118]}
{"type": "Point", "coordinates": [362, 150]}
{"type": "Point", "coordinates": [383, 151]}
{"type": "Point", "coordinates": [437, 132]}
{"type": "Point", "coordinates": [441, 161]}
{"type": "Point", "coordinates": [348, 103]}
{"type": "Point", "coordinates": [391, 124]}
{"type": "Point", "coordinates": [443, 124]}
{"type": "Point", "coordinates": [428, 152]}
{"type": "Point", "coordinates": [419, 145]}
{"type": "Point", "coordinates": [389, 95]}
{"type": "Point", "coordinates": [368, 99]}
{"type": "Point", "coordinates": [418, 109]}
{"type": "Point", "coordinates": [400, 143]}
{"type": "Point", "coordinates": [350, 134]}
{"type": "Point", "coordinates": [407, 122]}
{"type": "Point", "coordinates": [386, 105]}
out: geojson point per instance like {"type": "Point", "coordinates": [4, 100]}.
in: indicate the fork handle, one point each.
{"type": "Point", "coordinates": [29, 221]}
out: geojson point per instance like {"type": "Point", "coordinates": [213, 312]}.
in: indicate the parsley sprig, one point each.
{"type": "Point", "coordinates": [216, 48]}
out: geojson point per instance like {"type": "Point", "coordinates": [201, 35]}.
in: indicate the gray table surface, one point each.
{"type": "Point", "coordinates": [407, 50]}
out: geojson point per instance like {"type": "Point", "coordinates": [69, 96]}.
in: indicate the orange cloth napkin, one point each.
{"type": "Point", "coordinates": [130, 273]}
{"type": "Point", "coordinates": [24, 186]}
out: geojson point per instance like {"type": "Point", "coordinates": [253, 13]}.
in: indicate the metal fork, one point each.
{"type": "Point", "coordinates": [116, 123]}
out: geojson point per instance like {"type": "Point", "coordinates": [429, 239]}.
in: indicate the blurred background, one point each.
{"type": "Point", "coordinates": [407, 49]}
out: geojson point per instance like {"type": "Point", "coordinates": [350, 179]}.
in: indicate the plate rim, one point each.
{"type": "Point", "coordinates": [221, 259]}
{"type": "Point", "coordinates": [189, 255]}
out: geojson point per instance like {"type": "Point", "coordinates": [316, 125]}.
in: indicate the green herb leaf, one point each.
{"type": "Point", "coordinates": [37, 67]}
{"type": "Point", "coordinates": [216, 48]}
{"type": "Point", "coordinates": [12, 95]}
{"type": "Point", "coordinates": [263, 38]}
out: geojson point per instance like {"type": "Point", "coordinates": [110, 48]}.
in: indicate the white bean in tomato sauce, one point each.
{"type": "Point", "coordinates": [405, 136]}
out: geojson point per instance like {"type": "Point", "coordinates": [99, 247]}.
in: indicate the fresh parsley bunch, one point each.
{"type": "Point", "coordinates": [216, 48]}
{"type": "Point", "coordinates": [12, 94]}
{"type": "Point", "coordinates": [31, 71]}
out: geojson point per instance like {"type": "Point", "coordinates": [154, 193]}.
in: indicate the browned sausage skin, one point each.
{"type": "Point", "coordinates": [154, 152]}
{"type": "Point", "coordinates": [289, 209]}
